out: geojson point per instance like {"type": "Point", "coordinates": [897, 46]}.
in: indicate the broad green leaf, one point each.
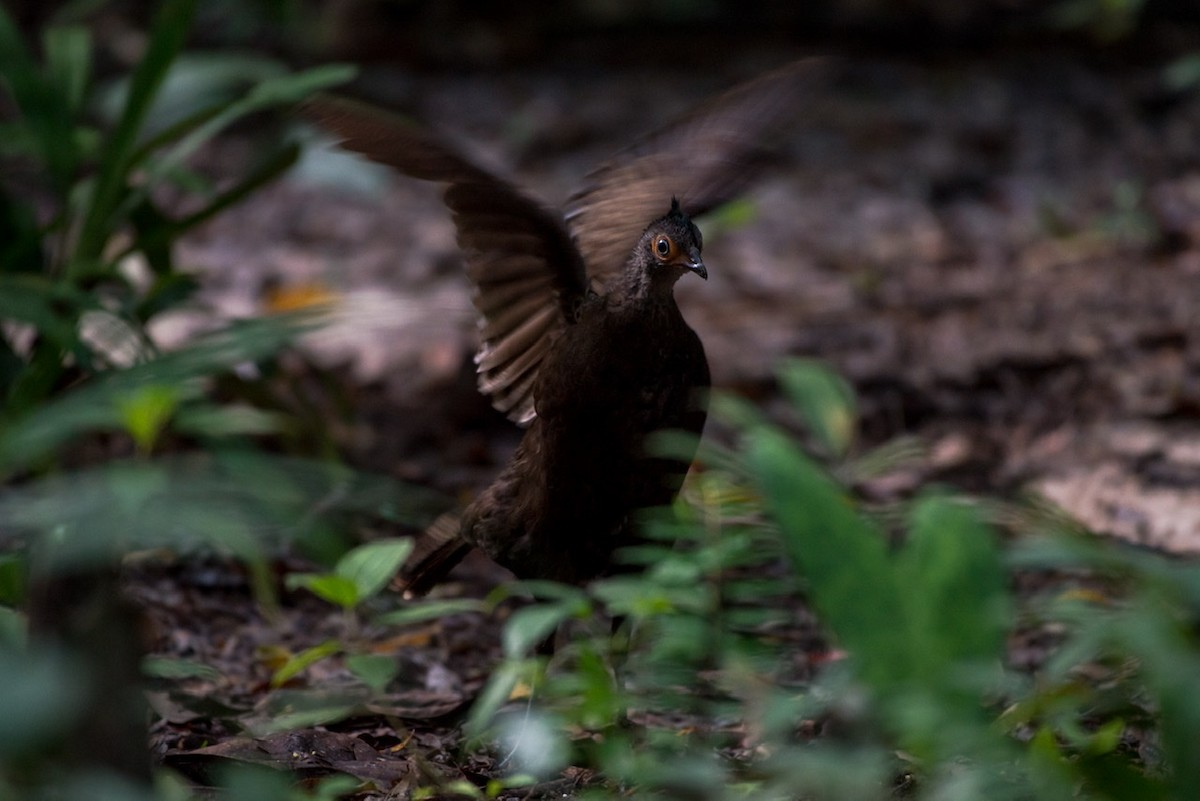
{"type": "Point", "coordinates": [496, 786]}
{"type": "Point", "coordinates": [841, 555]}
{"type": "Point", "coordinates": [600, 701]}
{"type": "Point", "coordinates": [531, 625]}
{"type": "Point", "coordinates": [337, 590]}
{"type": "Point", "coordinates": [735, 411]}
{"type": "Point", "coordinates": [41, 695]}
{"type": "Point", "coordinates": [958, 607]}
{"type": "Point", "coordinates": [641, 597]}
{"type": "Point", "coordinates": [233, 420]}
{"type": "Point", "coordinates": [464, 788]}
{"type": "Point", "coordinates": [1049, 768]}
{"type": "Point", "coordinates": [495, 694]}
{"type": "Point", "coordinates": [1170, 662]}
{"type": "Point", "coordinates": [1114, 777]}
{"type": "Point", "coordinates": [537, 588]}
{"type": "Point", "coordinates": [160, 667]}
{"type": "Point", "coordinates": [333, 788]}
{"type": "Point", "coordinates": [373, 670]}
{"type": "Point", "coordinates": [145, 413]}
{"type": "Point", "coordinates": [371, 566]}
{"type": "Point", "coordinates": [91, 406]}
{"type": "Point", "coordinates": [430, 610]}
{"type": "Point", "coordinates": [825, 401]}
{"type": "Point", "coordinates": [13, 570]}
{"type": "Point", "coordinates": [304, 659]}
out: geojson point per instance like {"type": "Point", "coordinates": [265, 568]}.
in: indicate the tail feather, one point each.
{"type": "Point", "coordinates": [436, 552]}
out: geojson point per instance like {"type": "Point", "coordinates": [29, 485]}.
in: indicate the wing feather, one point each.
{"type": "Point", "coordinates": [704, 159]}
{"type": "Point", "coordinates": [528, 276]}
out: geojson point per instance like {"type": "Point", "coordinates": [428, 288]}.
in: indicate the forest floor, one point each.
{"type": "Point", "coordinates": [1002, 255]}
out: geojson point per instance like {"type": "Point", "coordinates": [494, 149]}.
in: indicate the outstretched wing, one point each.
{"type": "Point", "coordinates": [704, 159]}
{"type": "Point", "coordinates": [527, 275]}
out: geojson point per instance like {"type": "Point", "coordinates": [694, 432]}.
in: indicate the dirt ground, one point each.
{"type": "Point", "coordinates": [1001, 254]}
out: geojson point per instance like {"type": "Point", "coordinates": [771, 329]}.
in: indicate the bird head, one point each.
{"type": "Point", "coordinates": [670, 247]}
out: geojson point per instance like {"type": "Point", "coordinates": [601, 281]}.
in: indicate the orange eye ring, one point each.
{"type": "Point", "coordinates": [665, 248]}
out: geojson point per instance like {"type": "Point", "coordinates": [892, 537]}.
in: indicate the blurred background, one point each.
{"type": "Point", "coordinates": [986, 218]}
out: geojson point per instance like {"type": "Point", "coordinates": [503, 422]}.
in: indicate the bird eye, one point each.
{"type": "Point", "coordinates": [664, 248]}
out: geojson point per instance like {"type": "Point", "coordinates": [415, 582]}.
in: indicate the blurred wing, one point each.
{"type": "Point", "coordinates": [528, 277]}
{"type": "Point", "coordinates": [706, 158]}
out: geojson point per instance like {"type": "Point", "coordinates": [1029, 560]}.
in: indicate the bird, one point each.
{"type": "Point", "coordinates": [582, 341]}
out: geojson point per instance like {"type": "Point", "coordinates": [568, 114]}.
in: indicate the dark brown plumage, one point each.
{"type": "Point", "coordinates": [581, 337]}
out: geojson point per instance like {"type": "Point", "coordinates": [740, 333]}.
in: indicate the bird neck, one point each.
{"type": "Point", "coordinates": [640, 284]}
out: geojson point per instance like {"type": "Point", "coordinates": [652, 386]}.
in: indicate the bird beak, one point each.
{"type": "Point", "coordinates": [695, 264]}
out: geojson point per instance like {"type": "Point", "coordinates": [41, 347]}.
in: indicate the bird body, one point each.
{"type": "Point", "coordinates": [628, 367]}
{"type": "Point", "coordinates": [582, 340]}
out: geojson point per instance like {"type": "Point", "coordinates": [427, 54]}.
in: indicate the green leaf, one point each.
{"type": "Point", "coordinates": [495, 694]}
{"type": "Point", "coordinates": [641, 597]}
{"type": "Point", "coordinates": [43, 107]}
{"type": "Point", "coordinates": [69, 62]}
{"type": "Point", "coordinates": [825, 401]}
{"type": "Point", "coordinates": [373, 670]}
{"type": "Point", "coordinates": [335, 589]}
{"type": "Point", "coordinates": [304, 659]}
{"type": "Point", "coordinates": [538, 588]}
{"type": "Point", "coordinates": [161, 667]}
{"type": "Point", "coordinates": [735, 411]}
{"type": "Point", "coordinates": [333, 788]}
{"type": "Point", "coordinates": [285, 90]}
{"type": "Point", "coordinates": [462, 787]}
{"type": "Point", "coordinates": [1170, 662]}
{"type": "Point", "coordinates": [145, 413]}
{"type": "Point", "coordinates": [958, 609]}
{"type": "Point", "coordinates": [842, 556]}
{"type": "Point", "coordinates": [91, 406]}
{"type": "Point", "coordinates": [529, 626]}
{"type": "Point", "coordinates": [42, 693]}
{"type": "Point", "coordinates": [1114, 777]}
{"type": "Point", "coordinates": [1183, 73]}
{"type": "Point", "coordinates": [371, 566]}
{"type": "Point", "coordinates": [13, 570]}
{"type": "Point", "coordinates": [430, 610]}
{"type": "Point", "coordinates": [167, 34]}
{"type": "Point", "coordinates": [156, 232]}
{"type": "Point", "coordinates": [257, 177]}
{"type": "Point", "coordinates": [197, 80]}
{"type": "Point", "coordinates": [1048, 767]}
{"type": "Point", "coordinates": [51, 307]}
{"type": "Point", "coordinates": [234, 420]}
